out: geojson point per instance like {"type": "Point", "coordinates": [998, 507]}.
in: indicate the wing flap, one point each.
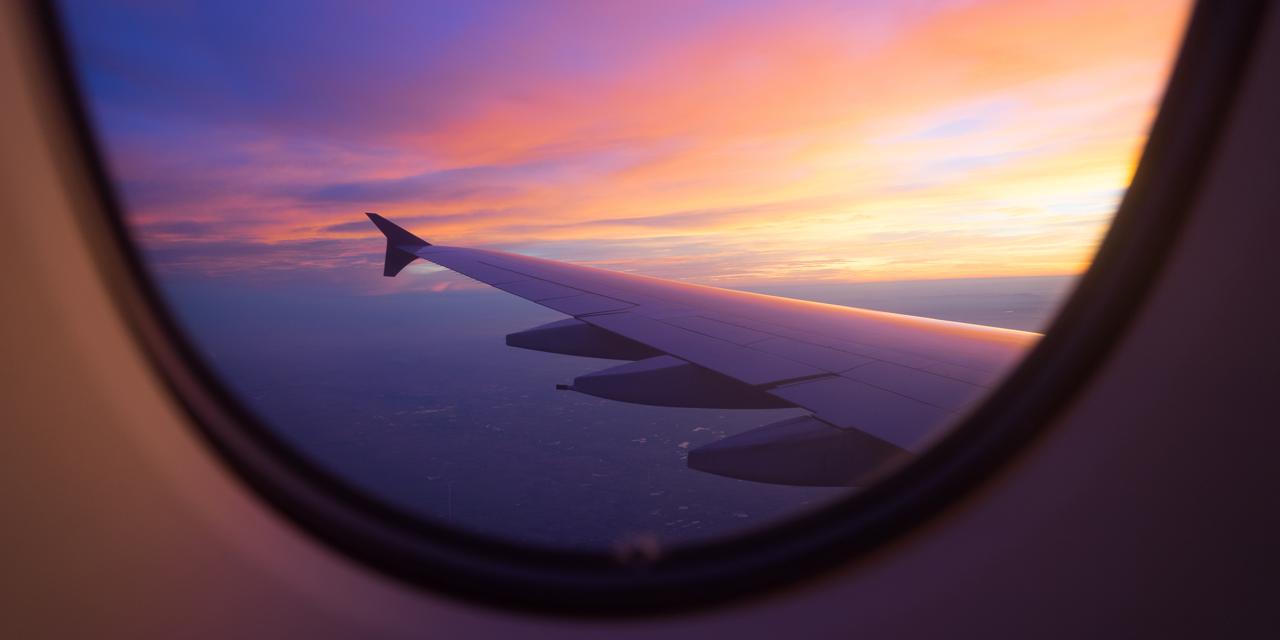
{"type": "Point", "coordinates": [738, 362]}
{"type": "Point", "coordinates": [940, 391]}
{"type": "Point", "coordinates": [825, 358]}
{"type": "Point", "coordinates": [850, 404]}
{"type": "Point", "coordinates": [538, 290]}
{"type": "Point", "coordinates": [716, 329]}
{"type": "Point", "coordinates": [585, 304]}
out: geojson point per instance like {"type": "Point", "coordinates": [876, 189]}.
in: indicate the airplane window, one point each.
{"type": "Point", "coordinates": [614, 280]}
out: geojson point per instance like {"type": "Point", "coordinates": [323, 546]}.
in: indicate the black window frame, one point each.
{"type": "Point", "coordinates": [1197, 101]}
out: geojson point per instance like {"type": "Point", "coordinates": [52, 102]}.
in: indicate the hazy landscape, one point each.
{"type": "Point", "coordinates": [415, 398]}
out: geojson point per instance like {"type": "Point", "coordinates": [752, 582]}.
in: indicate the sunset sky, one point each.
{"type": "Point", "coordinates": [733, 143]}
{"type": "Point", "coordinates": [886, 155]}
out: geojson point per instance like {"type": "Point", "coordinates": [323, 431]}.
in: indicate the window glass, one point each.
{"type": "Point", "coordinates": [952, 160]}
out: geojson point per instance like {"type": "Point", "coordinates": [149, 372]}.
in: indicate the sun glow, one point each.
{"type": "Point", "coordinates": [711, 142]}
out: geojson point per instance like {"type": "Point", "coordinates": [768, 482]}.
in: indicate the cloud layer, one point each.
{"type": "Point", "coordinates": [725, 142]}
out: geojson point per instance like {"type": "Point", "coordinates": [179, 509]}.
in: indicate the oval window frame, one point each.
{"type": "Point", "coordinates": [1197, 100]}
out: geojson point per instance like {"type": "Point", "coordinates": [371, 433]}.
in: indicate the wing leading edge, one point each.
{"type": "Point", "coordinates": [878, 385]}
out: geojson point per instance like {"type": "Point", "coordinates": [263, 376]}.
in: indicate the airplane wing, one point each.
{"type": "Point", "coordinates": [878, 385]}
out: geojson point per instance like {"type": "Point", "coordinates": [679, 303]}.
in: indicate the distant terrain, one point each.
{"type": "Point", "coordinates": [415, 399]}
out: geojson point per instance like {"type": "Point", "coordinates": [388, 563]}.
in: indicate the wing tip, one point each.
{"type": "Point", "coordinates": [394, 232]}
{"type": "Point", "coordinates": [398, 240]}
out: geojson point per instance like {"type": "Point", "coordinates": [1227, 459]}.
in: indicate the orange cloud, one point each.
{"type": "Point", "coordinates": [985, 138]}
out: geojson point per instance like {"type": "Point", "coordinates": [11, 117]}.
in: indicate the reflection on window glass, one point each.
{"type": "Point", "coordinates": [952, 160]}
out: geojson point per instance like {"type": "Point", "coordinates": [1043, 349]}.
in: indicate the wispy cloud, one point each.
{"type": "Point", "coordinates": [723, 141]}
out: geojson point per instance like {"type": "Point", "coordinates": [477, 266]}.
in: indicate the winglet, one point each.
{"type": "Point", "coordinates": [400, 245]}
